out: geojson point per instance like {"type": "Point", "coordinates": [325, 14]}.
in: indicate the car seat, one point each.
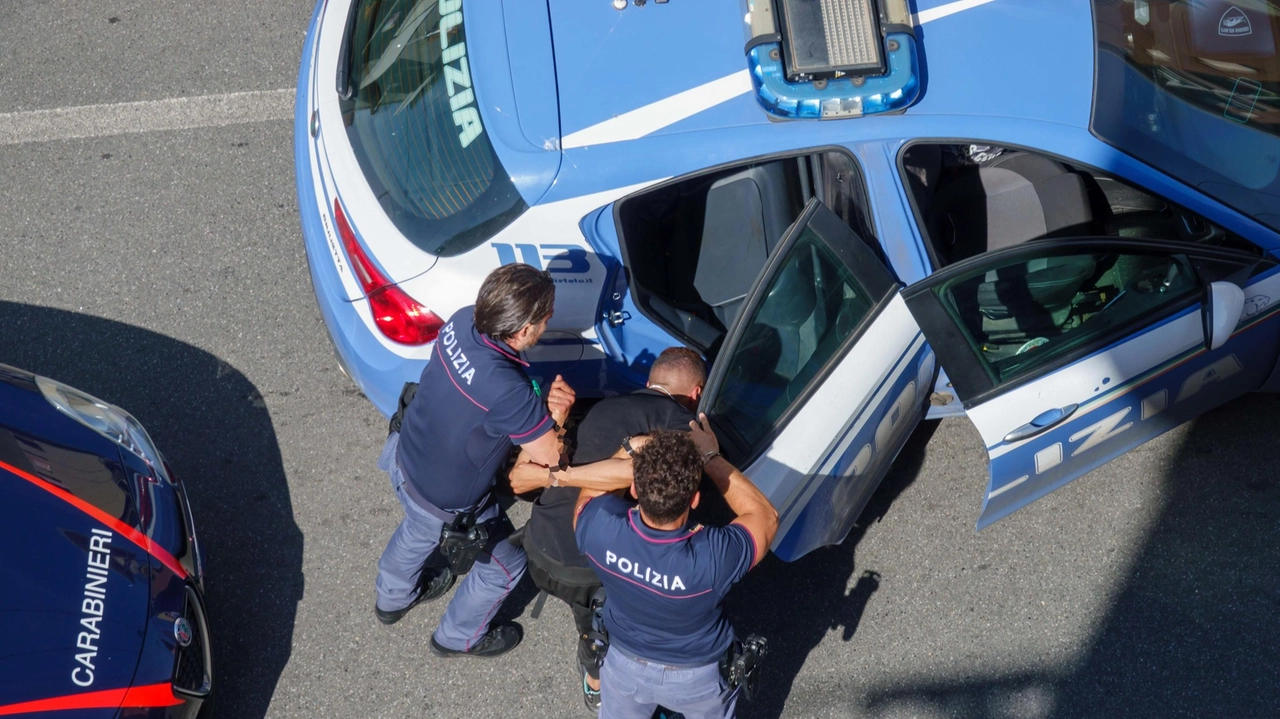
{"type": "Point", "coordinates": [1029, 300]}
{"type": "Point", "coordinates": [1017, 197]}
{"type": "Point", "coordinates": [746, 215]}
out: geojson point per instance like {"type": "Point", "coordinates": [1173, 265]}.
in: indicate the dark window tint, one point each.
{"type": "Point", "coordinates": [812, 304]}
{"type": "Point", "coordinates": [1022, 314]}
{"type": "Point", "coordinates": [415, 125]}
{"type": "Point", "coordinates": [1193, 87]}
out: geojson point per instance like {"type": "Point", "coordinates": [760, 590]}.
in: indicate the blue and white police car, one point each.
{"type": "Point", "coordinates": [101, 578]}
{"type": "Point", "coordinates": [1057, 218]}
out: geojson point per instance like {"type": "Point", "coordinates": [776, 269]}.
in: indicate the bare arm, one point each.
{"type": "Point", "coordinates": [605, 476]}
{"type": "Point", "coordinates": [586, 494]}
{"type": "Point", "coordinates": [544, 450]}
{"type": "Point", "coordinates": [755, 513]}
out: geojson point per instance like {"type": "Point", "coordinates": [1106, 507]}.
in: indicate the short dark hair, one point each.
{"type": "Point", "coordinates": [511, 297]}
{"type": "Point", "coordinates": [667, 470]}
{"type": "Point", "coordinates": [680, 366]}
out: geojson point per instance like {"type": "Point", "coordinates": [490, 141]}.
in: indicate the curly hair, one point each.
{"type": "Point", "coordinates": [667, 471]}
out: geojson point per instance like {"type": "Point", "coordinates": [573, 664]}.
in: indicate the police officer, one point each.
{"type": "Point", "coordinates": [668, 401]}
{"type": "Point", "coordinates": [473, 401]}
{"type": "Point", "coordinates": [667, 578]}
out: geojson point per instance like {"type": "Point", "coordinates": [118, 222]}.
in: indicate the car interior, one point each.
{"type": "Point", "coordinates": [972, 199]}
{"type": "Point", "coordinates": [694, 248]}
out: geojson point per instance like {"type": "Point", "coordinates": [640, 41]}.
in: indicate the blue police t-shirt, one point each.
{"type": "Point", "coordinates": [474, 400]}
{"type": "Point", "coordinates": [666, 588]}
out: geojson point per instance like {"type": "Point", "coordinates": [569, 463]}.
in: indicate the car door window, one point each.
{"type": "Point", "coordinates": [695, 245]}
{"type": "Point", "coordinates": [812, 304]}
{"type": "Point", "coordinates": [1021, 314]}
{"type": "Point", "coordinates": [972, 198]}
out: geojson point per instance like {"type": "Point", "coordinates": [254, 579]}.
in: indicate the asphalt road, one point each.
{"type": "Point", "coordinates": [163, 269]}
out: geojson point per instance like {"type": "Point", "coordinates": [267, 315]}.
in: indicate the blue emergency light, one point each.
{"type": "Point", "coordinates": [827, 59]}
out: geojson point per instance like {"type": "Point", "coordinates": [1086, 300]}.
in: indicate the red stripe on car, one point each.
{"type": "Point", "coordinates": [130, 533]}
{"type": "Point", "coordinates": [152, 695]}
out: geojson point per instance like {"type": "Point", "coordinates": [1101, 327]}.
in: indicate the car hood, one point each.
{"type": "Point", "coordinates": [74, 592]}
{"type": "Point", "coordinates": [59, 609]}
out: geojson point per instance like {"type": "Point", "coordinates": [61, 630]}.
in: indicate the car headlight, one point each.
{"type": "Point", "coordinates": [106, 419]}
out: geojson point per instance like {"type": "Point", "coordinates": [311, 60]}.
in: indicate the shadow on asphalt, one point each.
{"type": "Point", "coordinates": [214, 429]}
{"type": "Point", "coordinates": [795, 604]}
{"type": "Point", "coordinates": [1194, 631]}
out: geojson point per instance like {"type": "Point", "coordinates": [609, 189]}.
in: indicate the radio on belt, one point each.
{"type": "Point", "coordinates": [462, 541]}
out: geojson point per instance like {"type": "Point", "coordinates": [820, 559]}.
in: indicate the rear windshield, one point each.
{"type": "Point", "coordinates": [415, 125]}
{"type": "Point", "coordinates": [1193, 87]}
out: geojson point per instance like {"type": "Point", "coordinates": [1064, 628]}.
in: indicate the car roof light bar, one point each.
{"type": "Point", "coordinates": [822, 38]}
{"type": "Point", "coordinates": [860, 58]}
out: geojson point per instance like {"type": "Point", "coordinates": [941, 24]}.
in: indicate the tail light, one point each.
{"type": "Point", "coordinates": [396, 314]}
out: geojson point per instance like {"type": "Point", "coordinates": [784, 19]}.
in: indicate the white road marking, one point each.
{"type": "Point", "coordinates": [663, 113]}
{"type": "Point", "coordinates": [951, 8]}
{"type": "Point", "coordinates": [183, 113]}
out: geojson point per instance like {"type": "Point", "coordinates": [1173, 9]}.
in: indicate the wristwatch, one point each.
{"type": "Point", "coordinates": [708, 456]}
{"type": "Point", "coordinates": [626, 447]}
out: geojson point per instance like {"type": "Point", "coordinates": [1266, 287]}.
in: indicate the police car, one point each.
{"type": "Point", "coordinates": [101, 579]}
{"type": "Point", "coordinates": [1057, 218]}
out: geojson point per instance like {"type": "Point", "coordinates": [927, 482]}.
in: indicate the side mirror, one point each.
{"type": "Point", "coordinates": [1223, 305]}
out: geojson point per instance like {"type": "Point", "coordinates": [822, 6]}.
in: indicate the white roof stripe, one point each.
{"type": "Point", "coordinates": [668, 111]}
{"type": "Point", "coordinates": [950, 8]}
{"type": "Point", "coordinates": [663, 113]}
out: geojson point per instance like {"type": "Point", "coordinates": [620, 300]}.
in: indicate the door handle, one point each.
{"type": "Point", "coordinates": [1042, 422]}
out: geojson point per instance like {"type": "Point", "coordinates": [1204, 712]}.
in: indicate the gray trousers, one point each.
{"type": "Point", "coordinates": [632, 688]}
{"type": "Point", "coordinates": [480, 592]}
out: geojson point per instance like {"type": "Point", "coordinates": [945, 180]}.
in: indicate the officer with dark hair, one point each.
{"type": "Point", "coordinates": [667, 578]}
{"type": "Point", "coordinates": [676, 379]}
{"type": "Point", "coordinates": [473, 402]}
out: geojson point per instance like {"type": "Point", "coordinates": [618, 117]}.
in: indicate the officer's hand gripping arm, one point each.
{"type": "Point", "coordinates": [545, 450]}
{"type": "Point", "coordinates": [755, 513]}
{"type": "Point", "coordinates": [560, 399]}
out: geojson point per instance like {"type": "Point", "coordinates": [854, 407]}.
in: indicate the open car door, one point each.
{"type": "Point", "coordinates": [819, 381]}
{"type": "Point", "coordinates": [1068, 353]}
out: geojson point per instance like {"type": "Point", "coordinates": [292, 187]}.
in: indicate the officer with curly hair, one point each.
{"type": "Point", "coordinates": [667, 578]}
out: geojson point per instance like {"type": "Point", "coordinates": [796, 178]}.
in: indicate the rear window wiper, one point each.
{"type": "Point", "coordinates": [345, 87]}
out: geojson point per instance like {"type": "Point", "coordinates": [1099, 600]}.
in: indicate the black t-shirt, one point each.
{"type": "Point", "coordinates": [550, 530]}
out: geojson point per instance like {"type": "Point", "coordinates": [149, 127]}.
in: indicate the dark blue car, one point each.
{"type": "Point", "coordinates": [101, 579]}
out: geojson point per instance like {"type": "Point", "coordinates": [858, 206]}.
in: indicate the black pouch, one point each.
{"type": "Point", "coordinates": [597, 640]}
{"type": "Point", "coordinates": [740, 666]}
{"type": "Point", "coordinates": [406, 396]}
{"type": "Point", "coordinates": [462, 541]}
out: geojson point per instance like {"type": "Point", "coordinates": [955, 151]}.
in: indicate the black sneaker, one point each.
{"type": "Point", "coordinates": [590, 697]}
{"type": "Point", "coordinates": [433, 589]}
{"type": "Point", "coordinates": [498, 640]}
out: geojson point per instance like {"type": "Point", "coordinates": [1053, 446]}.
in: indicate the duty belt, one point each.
{"type": "Point", "coordinates": [444, 515]}
{"type": "Point", "coordinates": [462, 538]}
